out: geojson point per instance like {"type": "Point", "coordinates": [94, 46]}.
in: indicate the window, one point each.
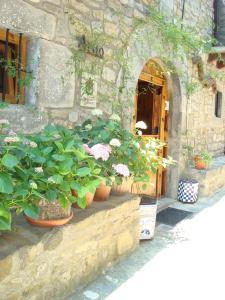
{"type": "Point", "coordinates": [218, 104]}
{"type": "Point", "coordinates": [12, 67]}
{"type": "Point", "coordinates": [219, 25]}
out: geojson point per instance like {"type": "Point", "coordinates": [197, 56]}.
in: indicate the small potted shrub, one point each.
{"type": "Point", "coordinates": [203, 160]}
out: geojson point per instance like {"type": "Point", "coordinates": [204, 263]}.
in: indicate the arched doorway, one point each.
{"type": "Point", "coordinates": [152, 107]}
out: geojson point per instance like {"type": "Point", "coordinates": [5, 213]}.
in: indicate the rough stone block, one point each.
{"type": "Point", "coordinates": [125, 242]}
{"type": "Point", "coordinates": [5, 267]}
{"type": "Point", "coordinates": [24, 119]}
{"type": "Point", "coordinates": [23, 17]}
{"type": "Point", "coordinates": [55, 86]}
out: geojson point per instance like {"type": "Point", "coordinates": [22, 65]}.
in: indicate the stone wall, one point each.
{"type": "Point", "coordinates": [49, 264]}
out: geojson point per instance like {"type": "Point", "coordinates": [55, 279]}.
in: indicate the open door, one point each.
{"type": "Point", "coordinates": [150, 107]}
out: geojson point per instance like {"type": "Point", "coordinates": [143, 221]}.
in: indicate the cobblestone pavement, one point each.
{"type": "Point", "coordinates": [186, 261]}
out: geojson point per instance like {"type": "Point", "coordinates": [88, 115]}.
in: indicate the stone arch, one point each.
{"type": "Point", "coordinates": [139, 52]}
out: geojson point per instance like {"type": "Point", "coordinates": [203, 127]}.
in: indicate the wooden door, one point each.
{"type": "Point", "coordinates": [150, 102]}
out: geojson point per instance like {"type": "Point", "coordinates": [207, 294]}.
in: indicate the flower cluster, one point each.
{"type": "Point", "coordinates": [115, 143]}
{"type": "Point", "coordinates": [11, 139]}
{"type": "Point", "coordinates": [33, 185]}
{"type": "Point", "coordinates": [115, 117]}
{"type": "Point", "coordinates": [38, 170]}
{"type": "Point", "coordinates": [32, 144]}
{"type": "Point", "coordinates": [141, 125]}
{"type": "Point", "coordinates": [98, 151]}
{"type": "Point", "coordinates": [51, 180]}
{"type": "Point", "coordinates": [121, 169]}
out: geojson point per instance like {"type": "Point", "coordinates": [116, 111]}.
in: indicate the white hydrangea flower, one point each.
{"type": "Point", "coordinates": [88, 127]}
{"type": "Point", "coordinates": [147, 146]}
{"type": "Point", "coordinates": [11, 139]}
{"type": "Point", "coordinates": [141, 125]}
{"type": "Point", "coordinates": [51, 180]}
{"type": "Point", "coordinates": [32, 144]}
{"type": "Point", "coordinates": [97, 112]}
{"type": "Point", "coordinates": [33, 185]}
{"type": "Point", "coordinates": [115, 143]}
{"type": "Point", "coordinates": [115, 117]}
{"type": "Point", "coordinates": [38, 170]}
{"type": "Point", "coordinates": [4, 122]}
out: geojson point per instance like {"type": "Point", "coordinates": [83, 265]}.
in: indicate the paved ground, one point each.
{"type": "Point", "coordinates": [186, 261]}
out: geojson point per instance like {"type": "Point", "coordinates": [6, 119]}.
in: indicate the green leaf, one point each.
{"type": "Point", "coordinates": [69, 146]}
{"type": "Point", "coordinates": [96, 171]}
{"type": "Point", "coordinates": [20, 191]}
{"type": "Point", "coordinates": [58, 179]}
{"type": "Point", "coordinates": [30, 210]}
{"type": "Point", "coordinates": [5, 218]}
{"type": "Point", "coordinates": [64, 202]}
{"type": "Point", "coordinates": [9, 161]}
{"type": "Point", "coordinates": [38, 159]}
{"type": "Point", "coordinates": [81, 202]}
{"type": "Point", "coordinates": [5, 224]}
{"type": "Point", "coordinates": [51, 195]}
{"type": "Point", "coordinates": [65, 166]}
{"type": "Point", "coordinates": [83, 172]}
{"type": "Point", "coordinates": [6, 185]}
{"type": "Point", "coordinates": [47, 150]}
{"type": "Point", "coordinates": [75, 186]}
{"type": "Point", "coordinates": [59, 146]}
{"type": "Point", "coordinates": [37, 194]}
{"type": "Point", "coordinates": [59, 157]}
{"type": "Point", "coordinates": [65, 187]}
{"type": "Point", "coordinates": [5, 213]}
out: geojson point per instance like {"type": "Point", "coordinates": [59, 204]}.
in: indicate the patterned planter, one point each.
{"type": "Point", "coordinates": [188, 190]}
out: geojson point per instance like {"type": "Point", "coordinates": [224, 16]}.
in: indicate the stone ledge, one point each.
{"type": "Point", "coordinates": [210, 180]}
{"type": "Point", "coordinates": [37, 263]}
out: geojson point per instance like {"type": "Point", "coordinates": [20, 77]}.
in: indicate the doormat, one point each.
{"type": "Point", "coordinates": [171, 216]}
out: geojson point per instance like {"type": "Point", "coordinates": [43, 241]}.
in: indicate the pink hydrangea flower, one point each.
{"type": "Point", "coordinates": [101, 151]}
{"type": "Point", "coordinates": [98, 151]}
{"type": "Point", "coordinates": [122, 169]}
{"type": "Point", "coordinates": [87, 148]}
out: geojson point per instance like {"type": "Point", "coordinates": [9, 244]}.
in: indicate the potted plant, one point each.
{"type": "Point", "coordinates": [203, 160]}
{"type": "Point", "coordinates": [108, 142]}
{"type": "Point", "coordinates": [96, 138]}
{"type": "Point", "coordinates": [44, 168]}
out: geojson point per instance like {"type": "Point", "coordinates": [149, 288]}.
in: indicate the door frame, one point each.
{"type": "Point", "coordinates": [160, 82]}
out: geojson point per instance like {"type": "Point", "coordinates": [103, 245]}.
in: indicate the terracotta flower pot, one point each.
{"type": "Point", "coordinates": [123, 188]}
{"type": "Point", "coordinates": [102, 192]}
{"type": "Point", "coordinates": [51, 214]}
{"type": "Point", "coordinates": [48, 223]}
{"type": "Point", "coordinates": [89, 198]}
{"type": "Point", "coordinates": [200, 165]}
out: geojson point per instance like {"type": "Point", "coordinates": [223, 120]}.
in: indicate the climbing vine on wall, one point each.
{"type": "Point", "coordinates": [183, 42]}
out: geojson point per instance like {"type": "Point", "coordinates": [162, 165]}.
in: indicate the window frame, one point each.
{"type": "Point", "coordinates": [13, 39]}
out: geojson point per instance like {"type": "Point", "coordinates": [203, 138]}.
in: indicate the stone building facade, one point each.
{"type": "Point", "coordinates": [55, 92]}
